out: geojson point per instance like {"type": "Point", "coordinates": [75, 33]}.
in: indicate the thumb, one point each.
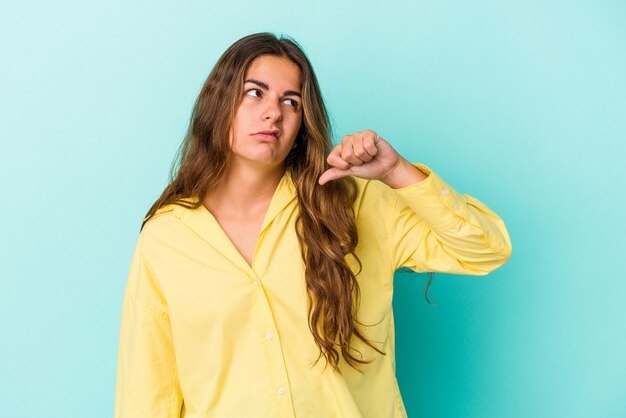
{"type": "Point", "coordinates": [333, 174]}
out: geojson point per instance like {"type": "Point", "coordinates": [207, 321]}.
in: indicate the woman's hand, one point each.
{"type": "Point", "coordinates": [367, 155]}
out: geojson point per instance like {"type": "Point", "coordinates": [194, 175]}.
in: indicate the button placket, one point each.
{"type": "Point", "coordinates": [273, 352]}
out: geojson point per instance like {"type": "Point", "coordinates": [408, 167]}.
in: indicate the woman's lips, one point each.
{"type": "Point", "coordinates": [267, 137]}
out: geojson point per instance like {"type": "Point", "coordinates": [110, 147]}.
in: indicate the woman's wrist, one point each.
{"type": "Point", "coordinates": [404, 174]}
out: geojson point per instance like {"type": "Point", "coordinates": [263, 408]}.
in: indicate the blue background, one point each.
{"type": "Point", "coordinates": [519, 104]}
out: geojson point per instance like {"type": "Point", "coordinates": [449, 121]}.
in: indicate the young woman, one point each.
{"type": "Point", "coordinates": [270, 249]}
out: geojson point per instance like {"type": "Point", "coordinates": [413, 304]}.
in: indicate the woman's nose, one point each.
{"type": "Point", "coordinates": [272, 111]}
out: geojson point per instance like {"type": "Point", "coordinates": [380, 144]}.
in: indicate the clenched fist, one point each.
{"type": "Point", "coordinates": [362, 154]}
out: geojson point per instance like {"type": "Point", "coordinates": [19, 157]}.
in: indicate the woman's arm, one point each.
{"type": "Point", "coordinates": [433, 228]}
{"type": "Point", "coordinates": [147, 380]}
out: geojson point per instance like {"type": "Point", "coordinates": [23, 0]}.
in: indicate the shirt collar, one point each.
{"type": "Point", "coordinates": [203, 223]}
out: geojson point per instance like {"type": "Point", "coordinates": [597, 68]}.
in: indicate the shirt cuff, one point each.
{"type": "Point", "coordinates": [433, 200]}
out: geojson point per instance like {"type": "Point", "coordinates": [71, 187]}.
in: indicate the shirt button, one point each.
{"type": "Point", "coordinates": [269, 336]}
{"type": "Point", "coordinates": [281, 390]}
{"type": "Point", "coordinates": [456, 206]}
{"type": "Point", "coordinates": [444, 192]}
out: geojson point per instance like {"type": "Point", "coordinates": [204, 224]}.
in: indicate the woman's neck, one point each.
{"type": "Point", "coordinates": [244, 191]}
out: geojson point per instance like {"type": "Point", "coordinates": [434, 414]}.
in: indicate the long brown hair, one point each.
{"type": "Point", "coordinates": [325, 213]}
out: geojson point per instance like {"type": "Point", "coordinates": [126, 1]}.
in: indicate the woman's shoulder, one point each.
{"type": "Point", "coordinates": [373, 198]}
{"type": "Point", "coordinates": [167, 216]}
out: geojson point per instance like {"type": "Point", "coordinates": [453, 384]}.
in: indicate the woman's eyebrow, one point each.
{"type": "Point", "coordinates": [266, 87]}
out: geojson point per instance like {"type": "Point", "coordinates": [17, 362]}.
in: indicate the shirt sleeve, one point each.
{"type": "Point", "coordinates": [147, 380]}
{"type": "Point", "coordinates": [433, 228]}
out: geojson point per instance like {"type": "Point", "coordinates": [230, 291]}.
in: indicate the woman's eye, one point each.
{"type": "Point", "coordinates": [253, 90]}
{"type": "Point", "coordinates": [295, 103]}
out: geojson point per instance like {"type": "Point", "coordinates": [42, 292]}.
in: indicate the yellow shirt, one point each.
{"type": "Point", "coordinates": [204, 334]}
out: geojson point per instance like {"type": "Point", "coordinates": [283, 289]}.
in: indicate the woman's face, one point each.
{"type": "Point", "coordinates": [271, 101]}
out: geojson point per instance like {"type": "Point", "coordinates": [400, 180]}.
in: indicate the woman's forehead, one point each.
{"type": "Point", "coordinates": [274, 72]}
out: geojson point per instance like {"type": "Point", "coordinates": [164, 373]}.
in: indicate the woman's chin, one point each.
{"type": "Point", "coordinates": [268, 160]}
